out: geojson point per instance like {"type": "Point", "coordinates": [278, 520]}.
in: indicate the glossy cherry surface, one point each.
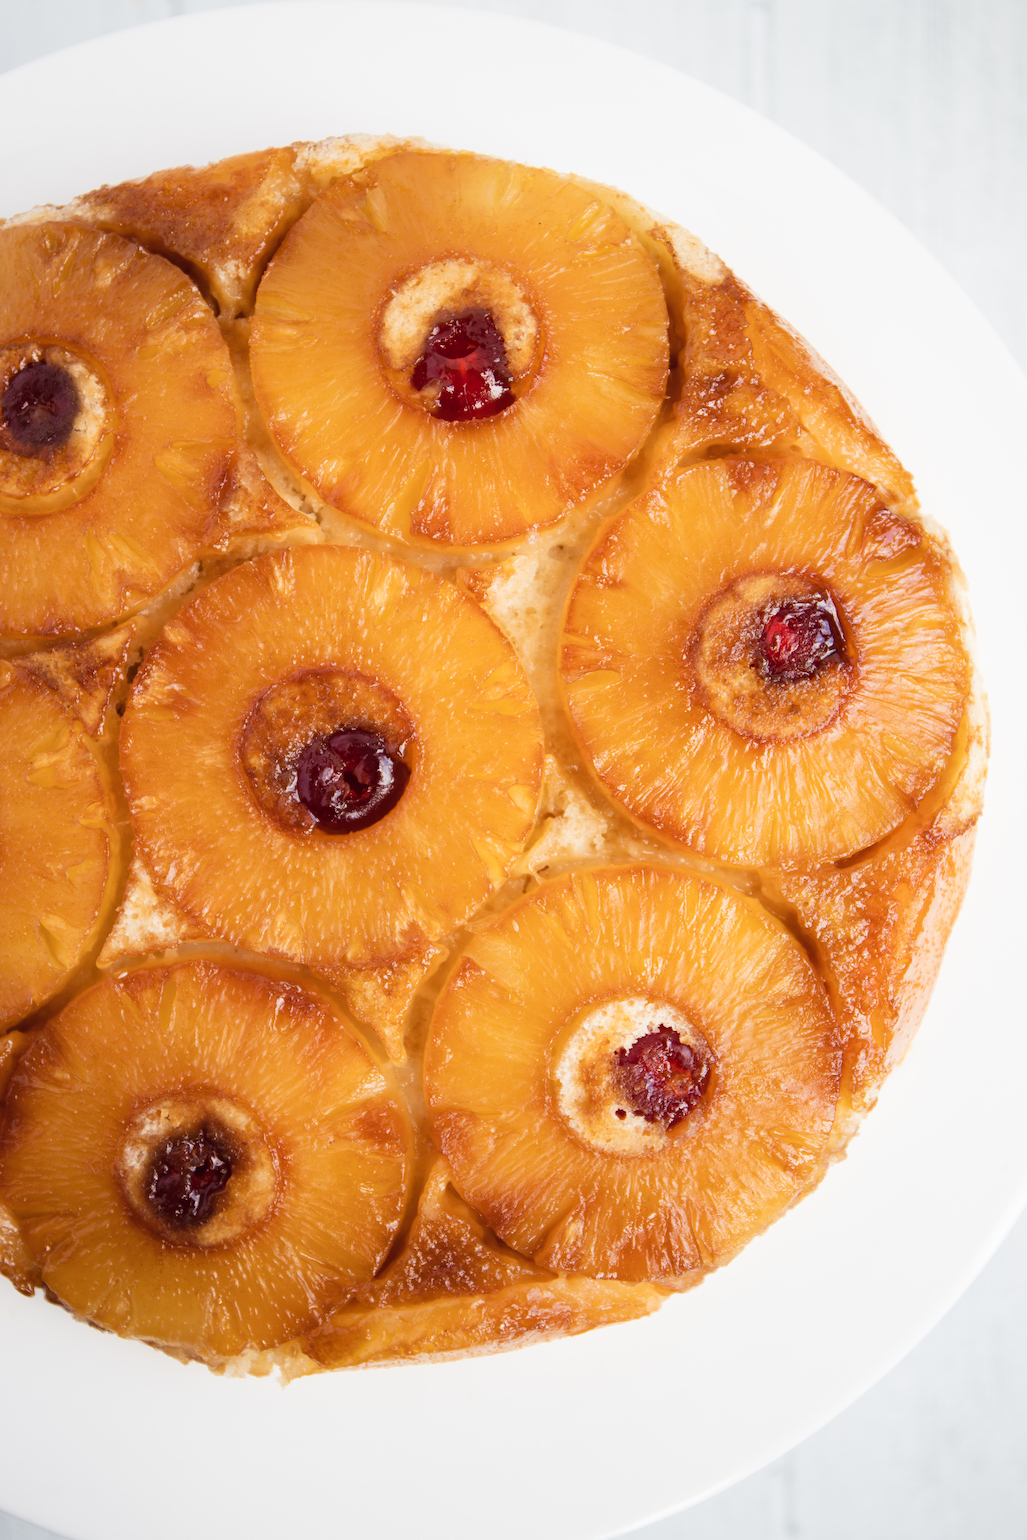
{"type": "Point", "coordinates": [799, 637]}
{"type": "Point", "coordinates": [467, 356]}
{"type": "Point", "coordinates": [660, 1078]}
{"type": "Point", "coordinates": [186, 1177]}
{"type": "Point", "coordinates": [348, 780]}
{"type": "Point", "coordinates": [38, 407]}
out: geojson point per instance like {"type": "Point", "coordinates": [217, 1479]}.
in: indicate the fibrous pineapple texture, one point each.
{"type": "Point", "coordinates": [631, 1073]}
{"type": "Point", "coordinates": [119, 461]}
{"type": "Point", "coordinates": [763, 662]}
{"type": "Point", "coordinates": [203, 1157]}
{"type": "Point", "coordinates": [332, 756]}
{"type": "Point", "coordinates": [58, 844]}
{"type": "Point", "coordinates": [432, 285]}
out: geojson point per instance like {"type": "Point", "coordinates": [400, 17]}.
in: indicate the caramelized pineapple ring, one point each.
{"type": "Point", "coordinates": [57, 840]}
{"type": "Point", "coordinates": [116, 422]}
{"type": "Point", "coordinates": [276, 703]}
{"type": "Point", "coordinates": [362, 316]}
{"type": "Point", "coordinates": [657, 996]}
{"type": "Point", "coordinates": [764, 663]}
{"type": "Point", "coordinates": [203, 1157]}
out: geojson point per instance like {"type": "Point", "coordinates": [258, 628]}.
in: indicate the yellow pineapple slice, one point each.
{"type": "Point", "coordinates": [58, 844]}
{"type": "Point", "coordinates": [631, 1073]}
{"type": "Point", "coordinates": [118, 454]}
{"type": "Point", "coordinates": [379, 266]}
{"type": "Point", "coordinates": [240, 804]}
{"type": "Point", "coordinates": [764, 663]}
{"type": "Point", "coordinates": [455, 1288]}
{"type": "Point", "coordinates": [203, 1157]}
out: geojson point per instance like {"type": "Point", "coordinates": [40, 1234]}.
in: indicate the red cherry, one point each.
{"type": "Point", "coordinates": [349, 780]}
{"type": "Point", "coordinates": [799, 636]}
{"type": "Point", "coordinates": [39, 406]}
{"type": "Point", "coordinates": [186, 1176]}
{"type": "Point", "coordinates": [660, 1077]}
{"type": "Point", "coordinates": [468, 356]}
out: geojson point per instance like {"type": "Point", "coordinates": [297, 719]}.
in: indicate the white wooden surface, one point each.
{"type": "Point", "coordinates": [924, 102]}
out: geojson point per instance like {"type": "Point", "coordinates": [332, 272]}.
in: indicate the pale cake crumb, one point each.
{"type": "Point", "coordinates": [145, 922]}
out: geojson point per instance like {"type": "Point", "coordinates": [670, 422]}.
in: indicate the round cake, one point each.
{"type": "Point", "coordinates": [491, 754]}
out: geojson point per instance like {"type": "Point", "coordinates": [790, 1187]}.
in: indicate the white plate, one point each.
{"type": "Point", "coordinates": [581, 1439]}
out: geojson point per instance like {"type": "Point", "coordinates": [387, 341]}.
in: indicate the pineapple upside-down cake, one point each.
{"type": "Point", "coordinates": [489, 758]}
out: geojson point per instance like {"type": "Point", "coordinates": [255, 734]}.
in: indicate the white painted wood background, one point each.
{"type": "Point", "coordinates": [923, 102]}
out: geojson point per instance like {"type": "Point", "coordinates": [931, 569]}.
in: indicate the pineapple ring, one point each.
{"type": "Point", "coordinates": [498, 1041]}
{"type": "Point", "coordinates": [200, 1033]}
{"type": "Point", "coordinates": [155, 387]}
{"type": "Point", "coordinates": [873, 734]}
{"type": "Point", "coordinates": [322, 379]}
{"type": "Point", "coordinates": [229, 859]}
{"type": "Point", "coordinates": [57, 841]}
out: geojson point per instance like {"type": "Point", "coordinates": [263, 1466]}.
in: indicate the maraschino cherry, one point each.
{"type": "Point", "coordinates": [799, 637]}
{"type": "Point", "coordinates": [348, 780]}
{"type": "Point", "coordinates": [186, 1177]}
{"type": "Point", "coordinates": [660, 1077]}
{"type": "Point", "coordinates": [38, 407]}
{"type": "Point", "coordinates": [467, 356]}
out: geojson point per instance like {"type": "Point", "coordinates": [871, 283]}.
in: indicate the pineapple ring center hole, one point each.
{"type": "Point", "coordinates": [327, 752]}
{"type": "Point", "coordinates": [630, 1072]}
{"type": "Point", "coordinates": [197, 1170]}
{"type": "Point", "coordinates": [774, 656]}
{"type": "Point", "coordinates": [56, 418]}
{"type": "Point", "coordinates": [456, 336]}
